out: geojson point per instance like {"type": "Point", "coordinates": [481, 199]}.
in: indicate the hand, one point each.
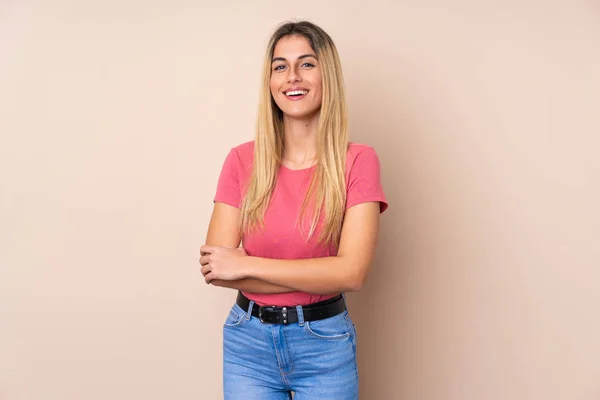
{"type": "Point", "coordinates": [220, 262]}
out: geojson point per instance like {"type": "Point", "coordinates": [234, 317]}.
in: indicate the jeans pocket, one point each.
{"type": "Point", "coordinates": [332, 328]}
{"type": "Point", "coordinates": [236, 317]}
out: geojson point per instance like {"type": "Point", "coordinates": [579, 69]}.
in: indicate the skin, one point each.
{"type": "Point", "coordinates": [224, 264]}
{"type": "Point", "coordinates": [295, 65]}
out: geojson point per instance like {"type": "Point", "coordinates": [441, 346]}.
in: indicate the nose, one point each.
{"type": "Point", "coordinates": [293, 75]}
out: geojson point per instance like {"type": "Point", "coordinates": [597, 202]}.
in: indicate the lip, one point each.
{"type": "Point", "coordinates": [295, 98]}
{"type": "Point", "coordinates": [294, 88]}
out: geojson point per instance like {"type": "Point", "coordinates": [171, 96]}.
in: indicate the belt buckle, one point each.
{"type": "Point", "coordinates": [261, 310]}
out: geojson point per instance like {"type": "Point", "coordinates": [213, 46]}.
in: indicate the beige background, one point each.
{"type": "Point", "coordinates": [115, 118]}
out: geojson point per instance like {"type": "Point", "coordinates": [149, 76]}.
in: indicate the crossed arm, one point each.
{"type": "Point", "coordinates": [225, 264]}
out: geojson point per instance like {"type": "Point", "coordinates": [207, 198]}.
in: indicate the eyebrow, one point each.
{"type": "Point", "coordinates": [299, 58]}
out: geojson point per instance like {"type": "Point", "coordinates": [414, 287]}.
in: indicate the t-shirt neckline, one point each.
{"type": "Point", "coordinates": [297, 170]}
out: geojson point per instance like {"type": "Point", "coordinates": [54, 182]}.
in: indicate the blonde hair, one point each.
{"type": "Point", "coordinates": [326, 196]}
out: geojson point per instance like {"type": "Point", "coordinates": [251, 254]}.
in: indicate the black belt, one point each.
{"type": "Point", "coordinates": [289, 315]}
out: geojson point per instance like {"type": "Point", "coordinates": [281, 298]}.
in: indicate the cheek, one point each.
{"type": "Point", "coordinates": [318, 85]}
{"type": "Point", "coordinates": [272, 88]}
{"type": "Point", "coordinates": [319, 94]}
{"type": "Point", "coordinates": [274, 85]}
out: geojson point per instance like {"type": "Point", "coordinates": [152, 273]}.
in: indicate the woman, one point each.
{"type": "Point", "coordinates": [306, 204]}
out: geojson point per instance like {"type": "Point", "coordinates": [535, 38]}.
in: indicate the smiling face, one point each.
{"type": "Point", "coordinates": [296, 83]}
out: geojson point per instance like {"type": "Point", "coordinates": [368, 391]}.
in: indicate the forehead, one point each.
{"type": "Point", "coordinates": [292, 46]}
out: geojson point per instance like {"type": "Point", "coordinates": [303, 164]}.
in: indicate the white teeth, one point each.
{"type": "Point", "coordinates": [296, 92]}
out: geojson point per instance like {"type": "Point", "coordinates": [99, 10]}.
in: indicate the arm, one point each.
{"type": "Point", "coordinates": [252, 286]}
{"type": "Point", "coordinates": [342, 273]}
{"type": "Point", "coordinates": [224, 230]}
{"type": "Point", "coordinates": [345, 272]}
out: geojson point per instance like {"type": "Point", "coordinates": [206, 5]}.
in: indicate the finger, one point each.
{"type": "Point", "coordinates": [204, 260]}
{"type": "Point", "coordinates": [207, 248]}
{"type": "Point", "coordinates": [208, 278]}
{"type": "Point", "coordinates": [205, 269]}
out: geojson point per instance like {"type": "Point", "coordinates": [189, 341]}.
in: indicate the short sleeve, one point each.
{"type": "Point", "coordinates": [228, 187]}
{"type": "Point", "coordinates": [364, 180]}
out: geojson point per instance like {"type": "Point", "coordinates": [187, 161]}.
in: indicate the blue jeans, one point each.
{"type": "Point", "coordinates": [316, 360]}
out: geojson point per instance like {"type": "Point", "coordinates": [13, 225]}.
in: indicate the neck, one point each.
{"type": "Point", "coordinates": [300, 146]}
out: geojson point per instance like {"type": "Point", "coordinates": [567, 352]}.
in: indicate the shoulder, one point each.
{"type": "Point", "coordinates": [357, 148]}
{"type": "Point", "coordinates": [245, 149]}
{"type": "Point", "coordinates": [243, 153]}
{"type": "Point", "coordinates": [362, 153]}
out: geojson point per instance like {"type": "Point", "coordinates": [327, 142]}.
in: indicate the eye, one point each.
{"type": "Point", "coordinates": [279, 68]}
{"type": "Point", "coordinates": [308, 65]}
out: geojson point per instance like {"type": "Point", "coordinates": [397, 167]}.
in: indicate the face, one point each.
{"type": "Point", "coordinates": [296, 78]}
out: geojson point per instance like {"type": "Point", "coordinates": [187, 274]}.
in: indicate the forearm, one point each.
{"type": "Point", "coordinates": [252, 285]}
{"type": "Point", "coordinates": [324, 275]}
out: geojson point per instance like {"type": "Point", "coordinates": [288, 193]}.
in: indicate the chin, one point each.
{"type": "Point", "coordinates": [300, 114]}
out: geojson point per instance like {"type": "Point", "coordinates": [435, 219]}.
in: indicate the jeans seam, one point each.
{"type": "Point", "coordinates": [238, 318]}
{"type": "Point", "coordinates": [290, 361]}
{"type": "Point", "coordinates": [237, 323]}
{"type": "Point", "coordinates": [336, 337]}
{"type": "Point", "coordinates": [279, 362]}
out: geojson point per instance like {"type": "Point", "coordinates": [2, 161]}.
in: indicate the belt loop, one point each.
{"type": "Point", "coordinates": [300, 315]}
{"type": "Point", "coordinates": [345, 301]}
{"type": "Point", "coordinates": [249, 312]}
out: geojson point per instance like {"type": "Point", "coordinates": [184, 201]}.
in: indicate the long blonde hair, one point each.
{"type": "Point", "coordinates": [326, 196]}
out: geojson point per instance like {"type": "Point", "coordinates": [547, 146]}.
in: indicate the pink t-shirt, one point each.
{"type": "Point", "coordinates": [281, 237]}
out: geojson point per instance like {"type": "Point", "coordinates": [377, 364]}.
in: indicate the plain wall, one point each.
{"type": "Point", "coordinates": [116, 116]}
